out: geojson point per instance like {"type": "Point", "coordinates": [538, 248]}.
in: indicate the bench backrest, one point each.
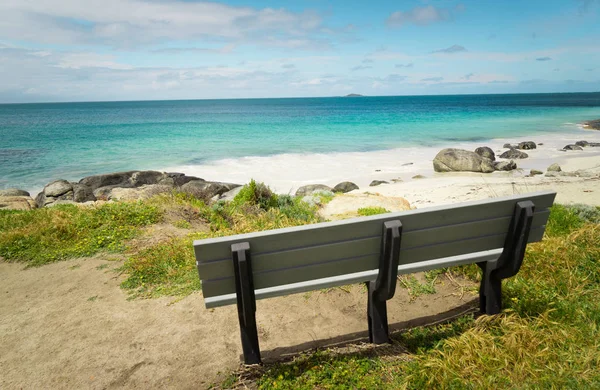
{"type": "Point", "coordinates": [326, 254]}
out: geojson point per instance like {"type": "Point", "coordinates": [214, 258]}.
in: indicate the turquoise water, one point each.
{"type": "Point", "coordinates": [43, 142]}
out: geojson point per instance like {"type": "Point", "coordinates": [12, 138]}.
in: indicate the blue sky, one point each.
{"type": "Point", "coordinates": [72, 50]}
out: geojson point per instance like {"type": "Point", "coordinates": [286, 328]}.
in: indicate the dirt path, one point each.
{"type": "Point", "coordinates": [69, 325]}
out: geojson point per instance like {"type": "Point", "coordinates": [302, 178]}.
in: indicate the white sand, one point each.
{"type": "Point", "coordinates": [285, 173]}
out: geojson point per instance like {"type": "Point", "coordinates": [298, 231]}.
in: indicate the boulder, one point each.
{"type": "Point", "coordinates": [456, 160]}
{"type": "Point", "coordinates": [13, 192]}
{"type": "Point", "coordinates": [486, 152]}
{"type": "Point", "coordinates": [534, 172]}
{"type": "Point", "coordinates": [582, 143]}
{"type": "Point", "coordinates": [527, 145]}
{"type": "Point", "coordinates": [513, 154]}
{"type": "Point", "coordinates": [345, 186]}
{"type": "Point", "coordinates": [572, 147]}
{"type": "Point", "coordinates": [509, 146]}
{"type": "Point", "coordinates": [554, 168]}
{"type": "Point", "coordinates": [505, 165]}
{"type": "Point", "coordinates": [227, 196]}
{"type": "Point", "coordinates": [180, 178]}
{"type": "Point", "coordinates": [207, 189]}
{"type": "Point", "coordinates": [143, 192]}
{"type": "Point", "coordinates": [309, 189]}
{"type": "Point", "coordinates": [57, 188]}
{"type": "Point", "coordinates": [116, 179]}
{"type": "Point", "coordinates": [19, 202]}
{"type": "Point", "coordinates": [375, 183]}
{"type": "Point", "coordinates": [82, 193]}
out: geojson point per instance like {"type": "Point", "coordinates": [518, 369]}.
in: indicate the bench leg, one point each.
{"type": "Point", "coordinates": [246, 302]}
{"type": "Point", "coordinates": [377, 313]}
{"type": "Point", "coordinates": [490, 290]}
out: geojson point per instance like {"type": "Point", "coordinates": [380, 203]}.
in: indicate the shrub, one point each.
{"type": "Point", "coordinates": [257, 194]}
{"type": "Point", "coordinates": [366, 211]}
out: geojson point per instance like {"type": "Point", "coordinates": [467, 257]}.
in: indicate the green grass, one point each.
{"type": "Point", "coordinates": [168, 267]}
{"type": "Point", "coordinates": [366, 211]}
{"type": "Point", "coordinates": [548, 335]}
{"type": "Point", "coordinates": [46, 235]}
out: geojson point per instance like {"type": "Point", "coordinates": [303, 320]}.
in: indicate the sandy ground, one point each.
{"type": "Point", "coordinates": [69, 325]}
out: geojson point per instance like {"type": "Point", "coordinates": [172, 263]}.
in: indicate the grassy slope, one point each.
{"type": "Point", "coordinates": [548, 335]}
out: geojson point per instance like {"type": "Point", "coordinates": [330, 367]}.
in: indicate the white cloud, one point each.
{"type": "Point", "coordinates": [126, 23]}
{"type": "Point", "coordinates": [421, 16]}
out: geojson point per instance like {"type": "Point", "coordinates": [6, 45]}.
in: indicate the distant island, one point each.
{"type": "Point", "coordinates": [354, 95]}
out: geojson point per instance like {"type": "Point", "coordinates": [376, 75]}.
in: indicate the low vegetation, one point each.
{"type": "Point", "coordinates": [548, 335]}
{"type": "Point", "coordinates": [366, 211]}
{"type": "Point", "coordinates": [47, 235]}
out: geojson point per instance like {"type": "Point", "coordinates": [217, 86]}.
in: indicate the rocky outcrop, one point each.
{"type": "Point", "coordinates": [143, 192]}
{"type": "Point", "coordinates": [572, 147]}
{"type": "Point", "coordinates": [459, 160]}
{"type": "Point", "coordinates": [527, 145]}
{"type": "Point", "coordinates": [586, 144]}
{"type": "Point", "coordinates": [514, 154]}
{"type": "Point", "coordinates": [309, 189]}
{"type": "Point", "coordinates": [486, 152]}
{"type": "Point", "coordinates": [505, 165]}
{"type": "Point", "coordinates": [345, 186]}
{"type": "Point", "coordinates": [375, 183]}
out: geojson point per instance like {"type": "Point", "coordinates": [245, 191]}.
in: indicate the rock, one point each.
{"type": "Point", "coordinates": [526, 145]}
{"type": "Point", "coordinates": [57, 188]}
{"type": "Point", "coordinates": [595, 124]}
{"type": "Point", "coordinates": [456, 160]}
{"type": "Point", "coordinates": [404, 165]}
{"type": "Point", "coordinates": [397, 180]}
{"type": "Point", "coordinates": [418, 177]}
{"type": "Point", "coordinates": [181, 179]}
{"type": "Point", "coordinates": [13, 192]}
{"type": "Point", "coordinates": [505, 165]}
{"type": "Point", "coordinates": [375, 183]}
{"type": "Point", "coordinates": [554, 168]}
{"type": "Point", "coordinates": [552, 174]}
{"type": "Point", "coordinates": [486, 152]}
{"type": "Point", "coordinates": [345, 186]}
{"type": "Point", "coordinates": [540, 144]}
{"type": "Point", "coordinates": [143, 192]}
{"type": "Point", "coordinates": [130, 179]}
{"type": "Point", "coordinates": [312, 200]}
{"type": "Point", "coordinates": [513, 154]}
{"type": "Point", "coordinates": [19, 202]}
{"type": "Point", "coordinates": [227, 196]}
{"type": "Point", "coordinates": [207, 189]}
{"type": "Point", "coordinates": [582, 143]}
{"type": "Point", "coordinates": [572, 147]}
{"type": "Point", "coordinates": [534, 172]}
{"type": "Point", "coordinates": [578, 173]}
{"type": "Point", "coordinates": [82, 193]}
{"type": "Point", "coordinates": [309, 189]}
{"type": "Point", "coordinates": [509, 146]}
{"type": "Point", "coordinates": [54, 191]}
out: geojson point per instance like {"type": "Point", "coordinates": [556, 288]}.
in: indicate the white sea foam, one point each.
{"type": "Point", "coordinates": [286, 172]}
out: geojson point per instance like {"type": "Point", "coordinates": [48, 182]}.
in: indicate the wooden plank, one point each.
{"type": "Point", "coordinates": [266, 279]}
{"type": "Point", "coordinates": [357, 277]}
{"type": "Point", "coordinates": [329, 232]}
{"type": "Point", "coordinates": [366, 246]}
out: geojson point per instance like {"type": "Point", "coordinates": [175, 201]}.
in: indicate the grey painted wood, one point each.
{"type": "Point", "coordinates": [317, 234]}
{"type": "Point", "coordinates": [358, 264]}
{"type": "Point", "coordinates": [298, 256]}
{"type": "Point", "coordinates": [366, 246]}
{"type": "Point", "coordinates": [229, 299]}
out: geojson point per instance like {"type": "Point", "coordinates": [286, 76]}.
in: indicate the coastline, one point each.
{"type": "Point", "coordinates": [285, 173]}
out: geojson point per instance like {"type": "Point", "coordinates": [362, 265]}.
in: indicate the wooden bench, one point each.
{"type": "Point", "coordinates": [492, 233]}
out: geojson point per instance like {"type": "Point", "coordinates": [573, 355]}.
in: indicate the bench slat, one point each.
{"type": "Point", "coordinates": [309, 235]}
{"type": "Point", "coordinates": [358, 277]}
{"type": "Point", "coordinates": [367, 246]}
{"type": "Point", "coordinates": [266, 279]}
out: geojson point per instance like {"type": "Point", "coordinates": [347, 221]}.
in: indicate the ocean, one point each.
{"type": "Point", "coordinates": [218, 139]}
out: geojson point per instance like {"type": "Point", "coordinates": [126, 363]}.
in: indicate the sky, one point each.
{"type": "Point", "coordinates": [99, 50]}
